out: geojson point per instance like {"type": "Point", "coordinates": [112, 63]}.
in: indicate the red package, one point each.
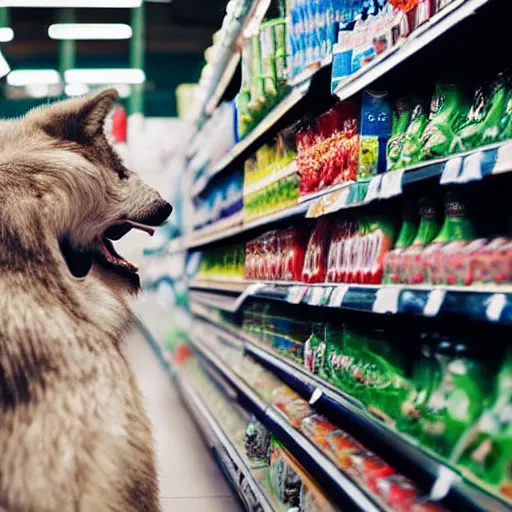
{"type": "Point", "coordinates": [493, 262]}
{"type": "Point", "coordinates": [397, 492]}
{"type": "Point", "coordinates": [328, 154]}
{"type": "Point", "coordinates": [291, 248]}
{"type": "Point", "coordinates": [316, 428]}
{"type": "Point", "coordinates": [367, 468]}
{"type": "Point", "coordinates": [341, 447]}
{"type": "Point", "coordinates": [315, 260]}
{"type": "Point", "coordinates": [335, 255]}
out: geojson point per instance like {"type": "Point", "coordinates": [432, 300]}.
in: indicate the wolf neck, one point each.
{"type": "Point", "coordinates": [38, 287]}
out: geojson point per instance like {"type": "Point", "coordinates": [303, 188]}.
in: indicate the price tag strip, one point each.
{"type": "Point", "coordinates": [387, 300]}
{"type": "Point", "coordinates": [391, 184]}
{"type": "Point", "coordinates": [296, 294]}
{"type": "Point", "coordinates": [434, 302]}
{"type": "Point", "coordinates": [337, 295]}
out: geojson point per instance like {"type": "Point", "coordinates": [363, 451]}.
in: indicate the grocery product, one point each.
{"type": "Point", "coordinates": [226, 263]}
{"type": "Point", "coordinates": [315, 259]}
{"type": "Point", "coordinates": [328, 151]}
{"type": "Point", "coordinates": [277, 255]}
{"type": "Point", "coordinates": [449, 108]}
{"type": "Point", "coordinates": [264, 73]}
{"type": "Point", "coordinates": [410, 258]}
{"type": "Point", "coordinates": [357, 251]}
{"type": "Point", "coordinates": [221, 200]}
{"type": "Point", "coordinates": [375, 131]}
{"type": "Point", "coordinates": [401, 117]}
{"type": "Point", "coordinates": [486, 448]}
{"type": "Point", "coordinates": [257, 443]}
{"type": "Point", "coordinates": [406, 236]}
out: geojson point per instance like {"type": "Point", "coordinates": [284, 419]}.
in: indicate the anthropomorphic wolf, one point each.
{"type": "Point", "coordinates": [74, 435]}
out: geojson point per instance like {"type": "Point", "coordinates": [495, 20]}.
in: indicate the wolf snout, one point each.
{"type": "Point", "coordinates": [158, 214]}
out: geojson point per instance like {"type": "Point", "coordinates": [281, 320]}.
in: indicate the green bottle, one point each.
{"type": "Point", "coordinates": [456, 233]}
{"type": "Point", "coordinates": [487, 449]}
{"type": "Point", "coordinates": [406, 236]}
{"type": "Point", "coordinates": [402, 113]}
{"type": "Point", "coordinates": [410, 268]}
{"type": "Point", "coordinates": [448, 111]}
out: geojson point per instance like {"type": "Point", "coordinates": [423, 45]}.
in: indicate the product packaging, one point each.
{"type": "Point", "coordinates": [376, 121]}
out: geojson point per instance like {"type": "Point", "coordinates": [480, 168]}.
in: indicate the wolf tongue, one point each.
{"type": "Point", "coordinates": [142, 227]}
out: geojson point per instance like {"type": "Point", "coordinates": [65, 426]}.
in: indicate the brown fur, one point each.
{"type": "Point", "coordinates": [74, 435]}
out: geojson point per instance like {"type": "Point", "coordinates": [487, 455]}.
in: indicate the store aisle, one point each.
{"type": "Point", "coordinates": [190, 480]}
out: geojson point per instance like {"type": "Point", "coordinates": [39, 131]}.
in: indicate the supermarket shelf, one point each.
{"type": "Point", "coordinates": [462, 168]}
{"type": "Point", "coordinates": [445, 483]}
{"type": "Point", "coordinates": [223, 83]}
{"type": "Point", "coordinates": [200, 238]}
{"type": "Point", "coordinates": [289, 170]}
{"type": "Point", "coordinates": [217, 86]}
{"type": "Point", "coordinates": [214, 433]}
{"type": "Point", "coordinates": [421, 37]}
{"type": "Point", "coordinates": [248, 143]}
{"type": "Point", "coordinates": [491, 304]}
{"type": "Point", "coordinates": [439, 24]}
{"type": "Point", "coordinates": [346, 494]}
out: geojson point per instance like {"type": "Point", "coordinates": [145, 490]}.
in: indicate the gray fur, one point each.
{"type": "Point", "coordinates": [74, 435]}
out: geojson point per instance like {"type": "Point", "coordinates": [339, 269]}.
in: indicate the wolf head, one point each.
{"type": "Point", "coordinates": [63, 187]}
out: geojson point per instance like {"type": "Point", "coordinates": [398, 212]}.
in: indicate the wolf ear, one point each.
{"type": "Point", "coordinates": [96, 108]}
{"type": "Point", "coordinates": [77, 119]}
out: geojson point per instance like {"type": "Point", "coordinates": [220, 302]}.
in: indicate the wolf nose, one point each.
{"type": "Point", "coordinates": [159, 215]}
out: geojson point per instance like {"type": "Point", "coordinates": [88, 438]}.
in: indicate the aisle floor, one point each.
{"type": "Point", "coordinates": [190, 480]}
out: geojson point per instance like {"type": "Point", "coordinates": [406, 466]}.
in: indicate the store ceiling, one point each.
{"type": "Point", "coordinates": [181, 26]}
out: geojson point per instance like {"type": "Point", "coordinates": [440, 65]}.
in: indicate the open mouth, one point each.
{"type": "Point", "coordinates": [103, 252]}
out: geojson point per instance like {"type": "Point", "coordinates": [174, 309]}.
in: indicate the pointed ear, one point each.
{"type": "Point", "coordinates": [96, 108]}
{"type": "Point", "coordinates": [77, 119]}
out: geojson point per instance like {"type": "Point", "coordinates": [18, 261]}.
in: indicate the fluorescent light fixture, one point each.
{"type": "Point", "coordinates": [23, 77]}
{"type": "Point", "coordinates": [76, 89]}
{"type": "Point", "coordinates": [71, 3]}
{"type": "Point", "coordinates": [89, 31]}
{"type": "Point", "coordinates": [6, 34]}
{"type": "Point", "coordinates": [4, 67]}
{"type": "Point", "coordinates": [105, 76]}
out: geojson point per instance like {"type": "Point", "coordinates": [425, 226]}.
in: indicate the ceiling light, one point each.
{"type": "Point", "coordinates": [6, 34]}
{"type": "Point", "coordinates": [4, 67]}
{"type": "Point", "coordinates": [89, 31]}
{"type": "Point", "coordinates": [76, 89]}
{"type": "Point", "coordinates": [105, 76]}
{"type": "Point", "coordinates": [71, 3]}
{"type": "Point", "coordinates": [22, 77]}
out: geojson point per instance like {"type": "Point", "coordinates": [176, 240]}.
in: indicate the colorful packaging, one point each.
{"type": "Point", "coordinates": [487, 453]}
{"type": "Point", "coordinates": [315, 260]}
{"type": "Point", "coordinates": [376, 121]}
{"type": "Point", "coordinates": [449, 109]}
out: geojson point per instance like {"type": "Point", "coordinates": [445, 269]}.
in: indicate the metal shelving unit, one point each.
{"type": "Point", "coordinates": [485, 304]}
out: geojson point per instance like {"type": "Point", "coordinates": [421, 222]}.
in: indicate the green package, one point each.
{"type": "Point", "coordinates": [452, 385]}
{"type": "Point", "coordinates": [487, 448]}
{"type": "Point", "coordinates": [448, 111]}
{"type": "Point", "coordinates": [412, 143]}
{"type": "Point", "coordinates": [369, 367]}
{"type": "Point", "coordinates": [402, 113]}
{"type": "Point", "coordinates": [268, 62]}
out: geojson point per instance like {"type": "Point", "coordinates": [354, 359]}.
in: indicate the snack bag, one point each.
{"type": "Point", "coordinates": [285, 481]}
{"type": "Point", "coordinates": [411, 152]}
{"type": "Point", "coordinates": [315, 260]}
{"type": "Point", "coordinates": [448, 111]}
{"type": "Point", "coordinates": [402, 112]}
{"type": "Point", "coordinates": [488, 450]}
